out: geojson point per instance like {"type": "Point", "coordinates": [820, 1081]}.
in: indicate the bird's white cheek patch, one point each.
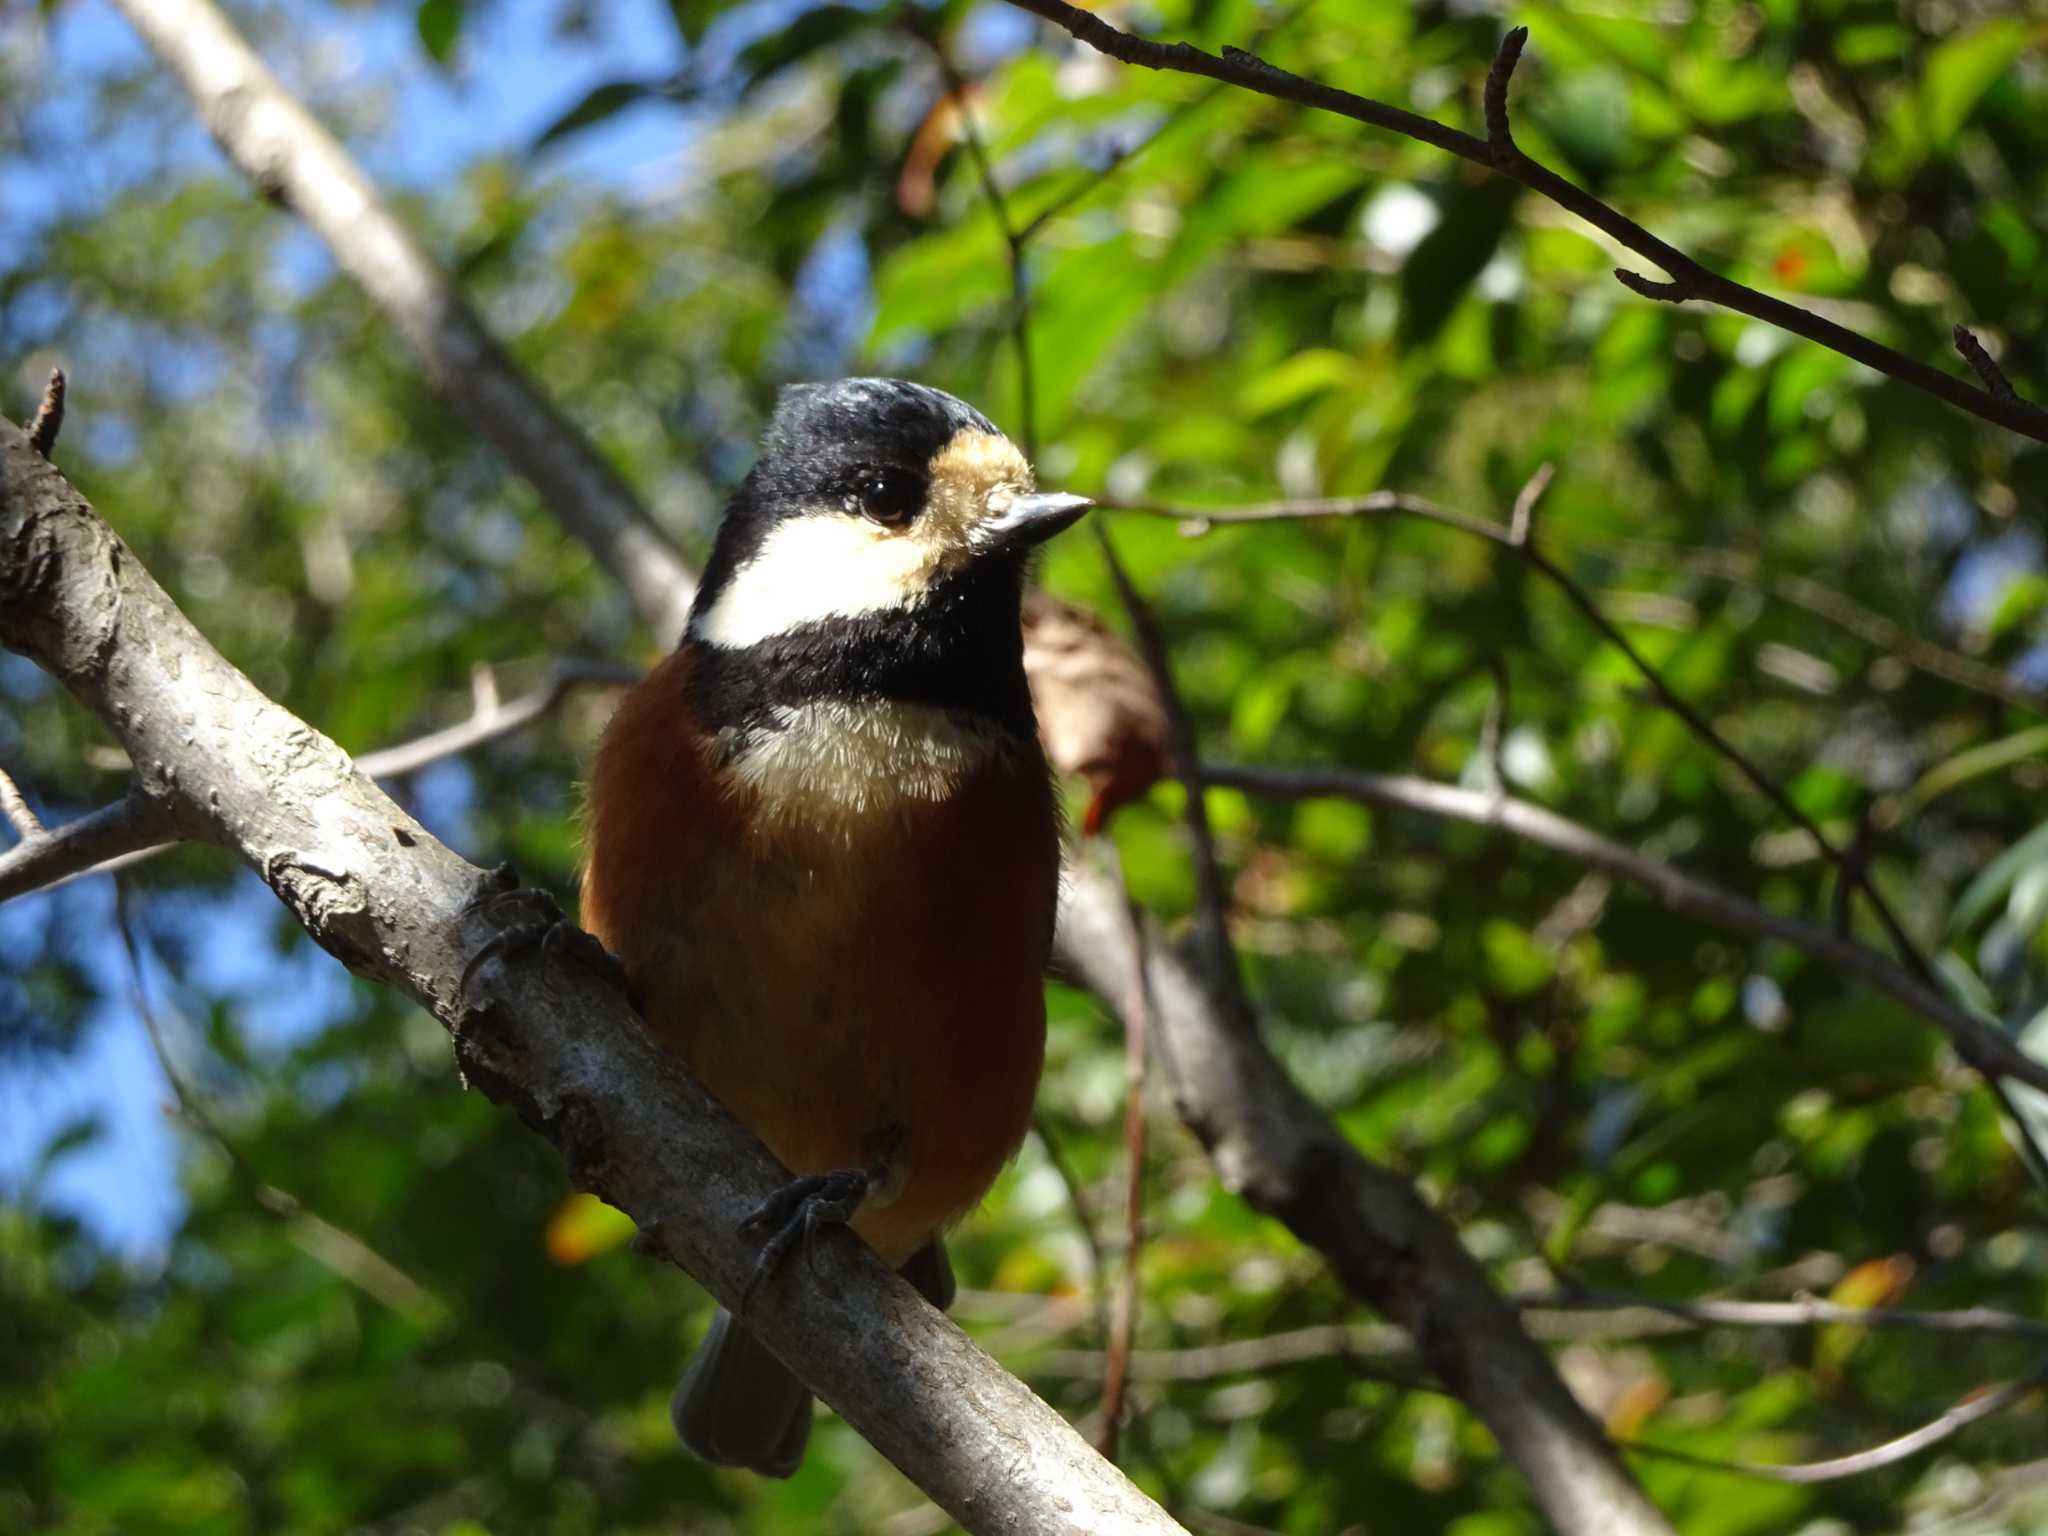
{"type": "Point", "coordinates": [821, 566]}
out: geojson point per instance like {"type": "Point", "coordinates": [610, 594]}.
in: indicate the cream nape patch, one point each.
{"type": "Point", "coordinates": [823, 565]}
{"type": "Point", "coordinates": [840, 761]}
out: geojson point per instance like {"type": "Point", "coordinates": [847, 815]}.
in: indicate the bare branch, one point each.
{"type": "Point", "coordinates": [1373, 1349]}
{"type": "Point", "coordinates": [1013, 239]}
{"type": "Point", "coordinates": [27, 825]}
{"type": "Point", "coordinates": [1970, 1410]}
{"type": "Point", "coordinates": [1804, 1312]}
{"type": "Point", "coordinates": [1522, 520]}
{"type": "Point", "coordinates": [1212, 905]}
{"type": "Point", "coordinates": [84, 846]}
{"type": "Point", "coordinates": [1689, 278]}
{"type": "Point", "coordinates": [134, 829]}
{"type": "Point", "coordinates": [1500, 139]}
{"type": "Point", "coordinates": [493, 719]}
{"type": "Point", "coordinates": [561, 1047]}
{"type": "Point", "coordinates": [1835, 607]}
{"type": "Point", "coordinates": [1980, 362]}
{"type": "Point", "coordinates": [1979, 1043]}
{"type": "Point", "coordinates": [49, 417]}
{"type": "Point", "coordinates": [288, 156]}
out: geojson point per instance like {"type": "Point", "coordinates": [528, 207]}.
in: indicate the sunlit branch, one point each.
{"type": "Point", "coordinates": [15, 808]}
{"type": "Point", "coordinates": [1498, 152]}
{"type": "Point", "coordinates": [49, 417]}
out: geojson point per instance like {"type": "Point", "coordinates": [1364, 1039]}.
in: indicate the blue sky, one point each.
{"type": "Point", "coordinates": [511, 79]}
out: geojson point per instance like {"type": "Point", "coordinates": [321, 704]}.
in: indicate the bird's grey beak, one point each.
{"type": "Point", "coordinates": [1030, 520]}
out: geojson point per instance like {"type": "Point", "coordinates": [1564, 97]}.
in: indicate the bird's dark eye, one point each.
{"type": "Point", "coordinates": [891, 497]}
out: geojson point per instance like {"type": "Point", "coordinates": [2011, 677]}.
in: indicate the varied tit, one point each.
{"type": "Point", "coordinates": [823, 841]}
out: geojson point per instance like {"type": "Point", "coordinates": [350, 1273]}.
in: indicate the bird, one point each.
{"type": "Point", "coordinates": [823, 842]}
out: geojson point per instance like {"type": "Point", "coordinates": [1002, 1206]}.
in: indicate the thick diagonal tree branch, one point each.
{"type": "Point", "coordinates": [1498, 152]}
{"type": "Point", "coordinates": [228, 766]}
{"type": "Point", "coordinates": [276, 143]}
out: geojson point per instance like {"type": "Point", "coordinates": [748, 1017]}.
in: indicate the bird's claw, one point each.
{"type": "Point", "coordinates": [796, 1211]}
{"type": "Point", "coordinates": [542, 926]}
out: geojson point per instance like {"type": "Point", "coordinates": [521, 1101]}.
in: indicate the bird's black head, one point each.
{"type": "Point", "coordinates": [875, 551]}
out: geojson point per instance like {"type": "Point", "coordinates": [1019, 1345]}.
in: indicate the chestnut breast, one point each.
{"type": "Point", "coordinates": [841, 924]}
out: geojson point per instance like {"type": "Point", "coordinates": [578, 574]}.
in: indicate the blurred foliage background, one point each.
{"type": "Point", "coordinates": [369, 1302]}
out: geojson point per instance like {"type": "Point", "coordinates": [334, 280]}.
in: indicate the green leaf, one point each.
{"type": "Point", "coordinates": [693, 16]}
{"type": "Point", "coordinates": [2023, 597]}
{"type": "Point", "coordinates": [602, 102]}
{"type": "Point", "coordinates": [1997, 877]}
{"type": "Point", "coordinates": [440, 26]}
{"type": "Point", "coordinates": [1961, 70]}
{"type": "Point", "coordinates": [824, 27]}
{"type": "Point", "coordinates": [1516, 964]}
{"type": "Point", "coordinates": [1975, 763]}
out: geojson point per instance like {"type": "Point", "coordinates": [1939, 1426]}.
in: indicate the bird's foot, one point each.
{"type": "Point", "coordinates": [797, 1210]}
{"type": "Point", "coordinates": [533, 921]}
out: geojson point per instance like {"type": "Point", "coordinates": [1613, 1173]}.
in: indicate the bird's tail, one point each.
{"type": "Point", "coordinates": [739, 1406]}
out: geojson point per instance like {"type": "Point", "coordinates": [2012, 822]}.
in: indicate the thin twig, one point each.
{"type": "Point", "coordinates": [1970, 1410]}
{"type": "Point", "coordinates": [49, 417]}
{"type": "Point", "coordinates": [1084, 1221]}
{"type": "Point", "coordinates": [1826, 603]}
{"type": "Point", "coordinates": [132, 829]}
{"type": "Point", "coordinates": [1522, 520]}
{"type": "Point", "coordinates": [1689, 278]}
{"type": "Point", "coordinates": [1980, 361]}
{"type": "Point", "coordinates": [1375, 1349]}
{"type": "Point", "coordinates": [1978, 1042]}
{"type": "Point", "coordinates": [1500, 138]}
{"type": "Point", "coordinates": [491, 719]}
{"type": "Point", "coordinates": [1013, 240]}
{"type": "Point", "coordinates": [94, 842]}
{"type": "Point", "coordinates": [15, 807]}
{"type": "Point", "coordinates": [1803, 1312]}
{"type": "Point", "coordinates": [1212, 902]}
